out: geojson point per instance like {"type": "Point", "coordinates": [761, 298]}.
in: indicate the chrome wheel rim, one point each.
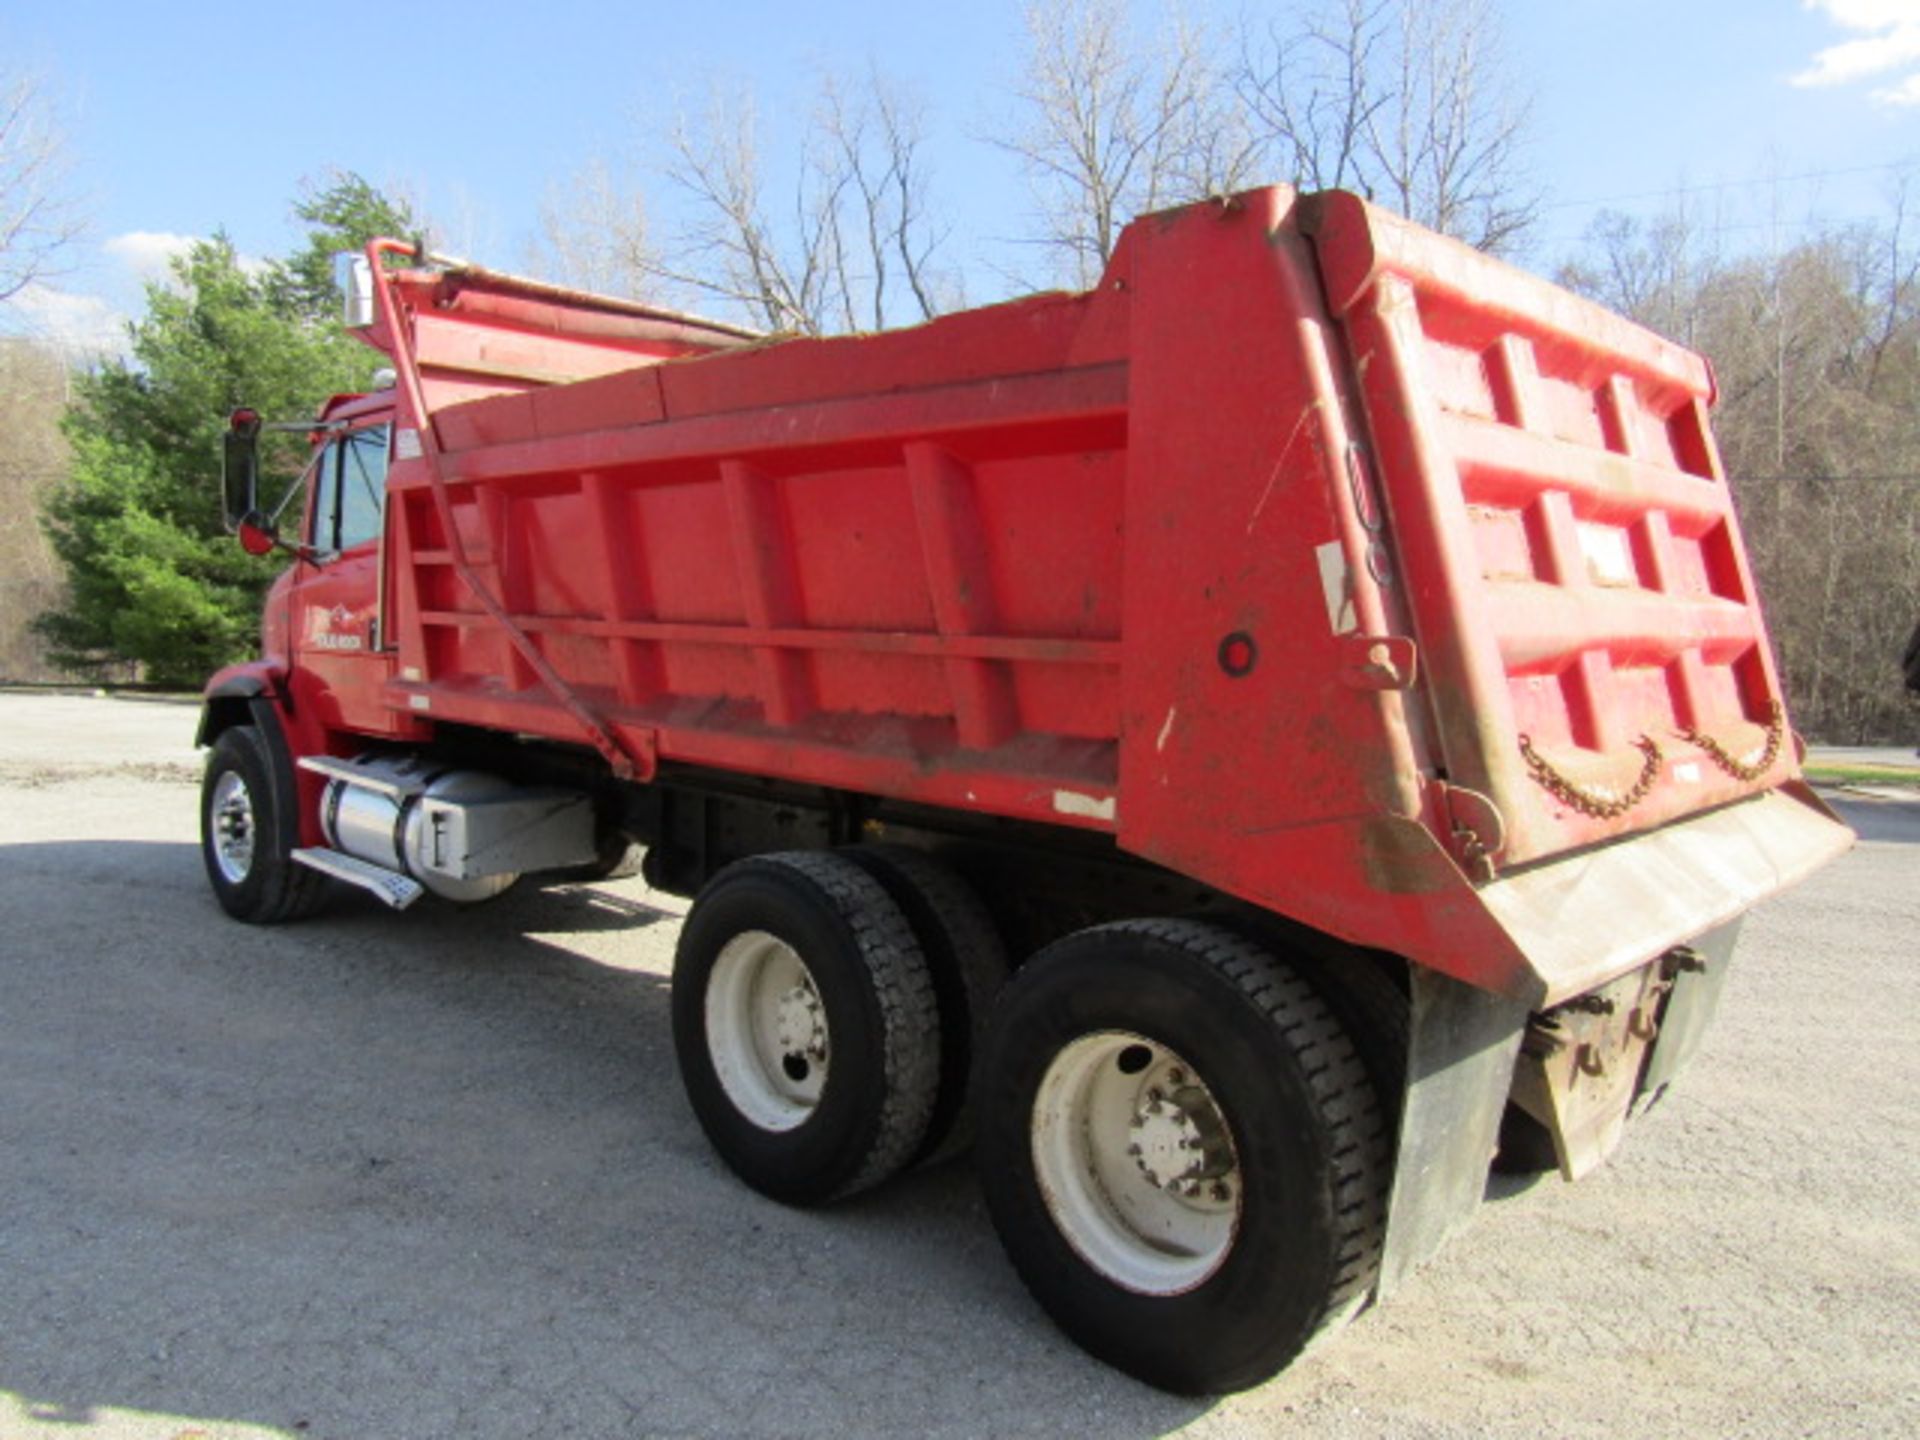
{"type": "Point", "coordinates": [767, 1031]}
{"type": "Point", "coordinates": [231, 821]}
{"type": "Point", "coordinates": [1136, 1163]}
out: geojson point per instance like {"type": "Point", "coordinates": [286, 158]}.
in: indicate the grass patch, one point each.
{"type": "Point", "coordinates": [1830, 774]}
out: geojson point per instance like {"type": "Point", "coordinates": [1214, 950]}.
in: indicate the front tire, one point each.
{"type": "Point", "coordinates": [247, 834]}
{"type": "Point", "coordinates": [1181, 1151]}
{"type": "Point", "coordinates": [805, 1023]}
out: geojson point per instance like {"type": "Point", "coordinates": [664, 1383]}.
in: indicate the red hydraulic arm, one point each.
{"type": "Point", "coordinates": [624, 764]}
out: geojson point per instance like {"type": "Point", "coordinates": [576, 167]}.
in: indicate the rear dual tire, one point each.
{"type": "Point", "coordinates": [968, 964]}
{"type": "Point", "coordinates": [1182, 1152]}
{"type": "Point", "coordinates": [804, 1017]}
{"type": "Point", "coordinates": [827, 1011]}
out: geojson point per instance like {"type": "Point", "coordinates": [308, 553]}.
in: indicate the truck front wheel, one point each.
{"type": "Point", "coordinates": [246, 840]}
{"type": "Point", "coordinates": [804, 1021]}
{"type": "Point", "coordinates": [1181, 1151]}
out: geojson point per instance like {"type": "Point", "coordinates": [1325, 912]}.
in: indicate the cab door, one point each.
{"type": "Point", "coordinates": [341, 659]}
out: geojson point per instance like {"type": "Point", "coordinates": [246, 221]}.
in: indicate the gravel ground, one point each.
{"type": "Point", "coordinates": [431, 1175]}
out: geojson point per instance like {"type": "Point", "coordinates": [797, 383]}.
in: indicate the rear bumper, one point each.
{"type": "Point", "coordinates": [1589, 917]}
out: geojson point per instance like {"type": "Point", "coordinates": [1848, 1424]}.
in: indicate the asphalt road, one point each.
{"type": "Point", "coordinates": [1892, 757]}
{"type": "Point", "coordinates": [431, 1174]}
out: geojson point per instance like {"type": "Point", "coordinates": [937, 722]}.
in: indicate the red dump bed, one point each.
{"type": "Point", "coordinates": [1316, 557]}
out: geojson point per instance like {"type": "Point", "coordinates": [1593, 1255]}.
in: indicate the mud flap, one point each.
{"type": "Point", "coordinates": [1689, 1012]}
{"type": "Point", "coordinates": [1459, 1069]}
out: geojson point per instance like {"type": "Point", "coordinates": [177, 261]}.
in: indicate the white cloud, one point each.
{"type": "Point", "coordinates": [148, 253]}
{"type": "Point", "coordinates": [84, 326]}
{"type": "Point", "coordinates": [1857, 59]}
{"type": "Point", "coordinates": [1867, 14]}
{"type": "Point", "coordinates": [94, 326]}
{"type": "Point", "coordinates": [1907, 92]}
{"type": "Point", "coordinates": [1890, 31]}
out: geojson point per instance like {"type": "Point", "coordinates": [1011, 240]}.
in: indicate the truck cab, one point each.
{"type": "Point", "coordinates": [329, 601]}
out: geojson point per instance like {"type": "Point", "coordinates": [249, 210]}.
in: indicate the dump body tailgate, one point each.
{"type": "Point", "coordinates": [1594, 657]}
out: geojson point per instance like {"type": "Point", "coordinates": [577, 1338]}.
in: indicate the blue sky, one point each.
{"type": "Point", "coordinates": [1770, 114]}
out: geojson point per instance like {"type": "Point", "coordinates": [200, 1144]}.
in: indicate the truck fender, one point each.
{"type": "Point", "coordinates": [252, 695]}
{"type": "Point", "coordinates": [230, 697]}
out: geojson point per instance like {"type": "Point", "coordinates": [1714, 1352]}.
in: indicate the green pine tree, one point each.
{"type": "Point", "coordinates": [343, 214]}
{"type": "Point", "coordinates": [154, 582]}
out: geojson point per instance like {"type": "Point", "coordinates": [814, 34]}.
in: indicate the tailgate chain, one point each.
{"type": "Point", "coordinates": [1604, 804]}
{"type": "Point", "coordinates": [1601, 804]}
{"type": "Point", "coordinates": [1718, 753]}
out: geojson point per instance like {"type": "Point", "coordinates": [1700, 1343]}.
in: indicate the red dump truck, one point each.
{"type": "Point", "coordinates": [1242, 744]}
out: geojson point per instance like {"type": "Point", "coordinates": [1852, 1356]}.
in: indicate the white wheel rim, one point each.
{"type": "Point", "coordinates": [1136, 1163]}
{"type": "Point", "coordinates": [767, 1030]}
{"type": "Point", "coordinates": [230, 815]}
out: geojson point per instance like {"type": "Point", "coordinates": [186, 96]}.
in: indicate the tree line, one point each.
{"type": "Point", "coordinates": [842, 226]}
{"type": "Point", "coordinates": [1816, 352]}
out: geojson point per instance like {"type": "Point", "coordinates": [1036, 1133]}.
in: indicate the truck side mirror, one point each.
{"type": "Point", "coordinates": [240, 468]}
{"type": "Point", "coordinates": [354, 275]}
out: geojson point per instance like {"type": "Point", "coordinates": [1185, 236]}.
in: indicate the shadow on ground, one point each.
{"type": "Point", "coordinates": [1893, 821]}
{"type": "Point", "coordinates": [431, 1174]}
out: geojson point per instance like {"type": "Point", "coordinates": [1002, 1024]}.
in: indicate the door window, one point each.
{"type": "Point", "coordinates": [352, 491]}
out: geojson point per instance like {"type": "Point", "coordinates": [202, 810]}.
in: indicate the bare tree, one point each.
{"type": "Point", "coordinates": [846, 240]}
{"type": "Point", "coordinates": [1114, 124]}
{"type": "Point", "coordinates": [33, 459]}
{"type": "Point", "coordinates": [1891, 274]}
{"type": "Point", "coordinates": [1312, 92]}
{"type": "Point", "coordinates": [37, 217]}
{"type": "Point", "coordinates": [1402, 100]}
{"type": "Point", "coordinates": [595, 233]}
{"type": "Point", "coordinates": [876, 138]}
{"type": "Point", "coordinates": [1649, 270]}
{"type": "Point", "coordinates": [775, 265]}
{"type": "Point", "coordinates": [38, 221]}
